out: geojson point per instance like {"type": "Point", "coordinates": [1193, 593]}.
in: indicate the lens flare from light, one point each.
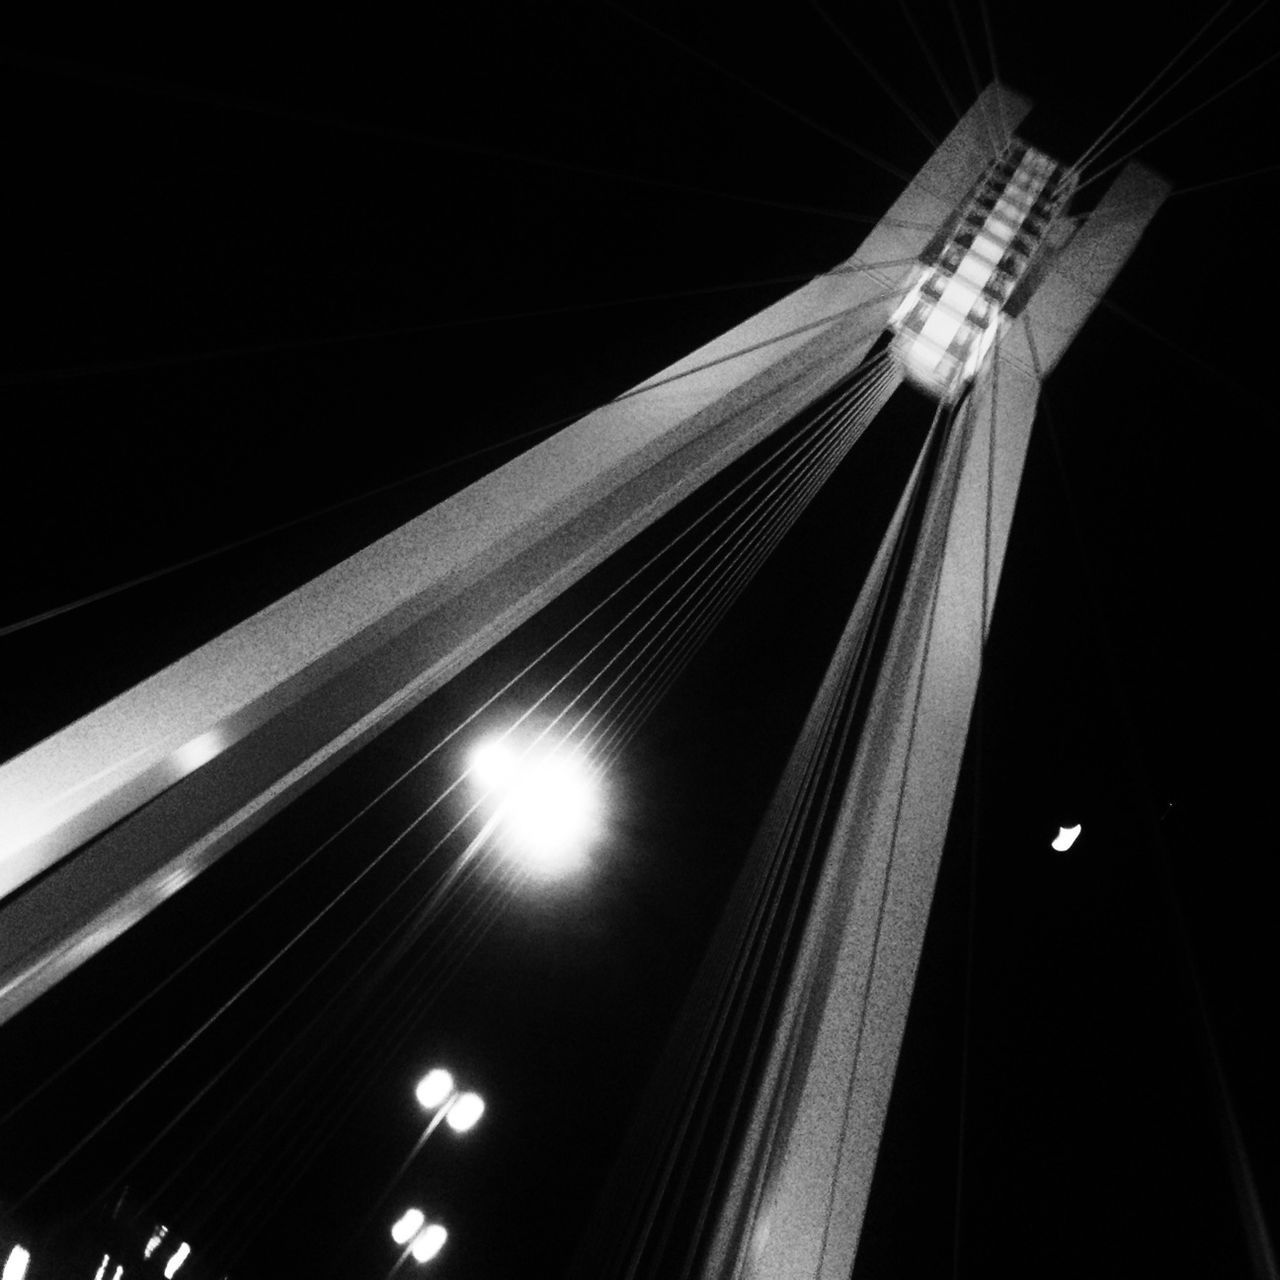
{"type": "Point", "coordinates": [408, 1225]}
{"type": "Point", "coordinates": [433, 1088]}
{"type": "Point", "coordinates": [1065, 838]}
{"type": "Point", "coordinates": [547, 800]}
{"type": "Point", "coordinates": [430, 1240]}
{"type": "Point", "coordinates": [465, 1113]}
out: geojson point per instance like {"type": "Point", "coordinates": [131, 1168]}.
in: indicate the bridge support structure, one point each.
{"type": "Point", "coordinates": [106, 819]}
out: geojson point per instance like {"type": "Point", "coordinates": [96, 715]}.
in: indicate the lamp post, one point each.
{"type": "Point", "coordinates": [421, 1239]}
{"type": "Point", "coordinates": [461, 1109]}
{"type": "Point", "coordinates": [437, 1092]}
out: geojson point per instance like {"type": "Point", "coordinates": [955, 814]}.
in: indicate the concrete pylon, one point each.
{"type": "Point", "coordinates": [123, 807]}
{"type": "Point", "coordinates": [795, 1200]}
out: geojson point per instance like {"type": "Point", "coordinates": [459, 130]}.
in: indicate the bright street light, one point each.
{"type": "Point", "coordinates": [437, 1092]}
{"type": "Point", "coordinates": [434, 1088]}
{"type": "Point", "coordinates": [428, 1242]}
{"type": "Point", "coordinates": [408, 1225]}
{"type": "Point", "coordinates": [548, 802]}
{"type": "Point", "coordinates": [465, 1110]}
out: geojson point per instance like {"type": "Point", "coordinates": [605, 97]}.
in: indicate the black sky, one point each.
{"type": "Point", "coordinates": [261, 267]}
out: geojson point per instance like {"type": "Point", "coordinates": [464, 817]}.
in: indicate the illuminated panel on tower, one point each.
{"type": "Point", "coordinates": [978, 271]}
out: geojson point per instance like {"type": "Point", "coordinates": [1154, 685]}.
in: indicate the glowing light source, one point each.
{"type": "Point", "coordinates": [976, 277]}
{"type": "Point", "coordinates": [1066, 837]}
{"type": "Point", "coordinates": [408, 1225]}
{"type": "Point", "coordinates": [494, 763]}
{"type": "Point", "coordinates": [548, 804]}
{"type": "Point", "coordinates": [15, 1265]}
{"type": "Point", "coordinates": [465, 1112]}
{"type": "Point", "coordinates": [157, 1237]}
{"type": "Point", "coordinates": [429, 1242]}
{"type": "Point", "coordinates": [180, 1255]}
{"type": "Point", "coordinates": [102, 1267]}
{"type": "Point", "coordinates": [434, 1088]}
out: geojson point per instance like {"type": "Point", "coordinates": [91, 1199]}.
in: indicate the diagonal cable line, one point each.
{"type": "Point", "coordinates": [1185, 352]}
{"type": "Point", "coordinates": [340, 124]}
{"type": "Point", "coordinates": [391, 1019]}
{"type": "Point", "coordinates": [995, 69]}
{"type": "Point", "coordinates": [993, 135]}
{"type": "Point", "coordinates": [935, 591]}
{"type": "Point", "coordinates": [627, 713]}
{"type": "Point", "coordinates": [547, 428]}
{"type": "Point", "coordinates": [631, 721]}
{"type": "Point", "coordinates": [938, 78]}
{"type": "Point", "coordinates": [1236, 1154]}
{"type": "Point", "coordinates": [715, 1021]}
{"type": "Point", "coordinates": [1089, 151]}
{"type": "Point", "coordinates": [643, 700]}
{"type": "Point", "coordinates": [1186, 115]}
{"type": "Point", "coordinates": [1220, 182]}
{"type": "Point", "coordinates": [975, 834]}
{"type": "Point", "coordinates": [184, 1110]}
{"type": "Point", "coordinates": [756, 472]}
{"type": "Point", "coordinates": [110, 368]}
{"type": "Point", "coordinates": [834, 439]}
{"type": "Point", "coordinates": [869, 67]}
{"type": "Point", "coordinates": [1164, 93]}
{"type": "Point", "coordinates": [755, 89]}
{"type": "Point", "coordinates": [317, 917]}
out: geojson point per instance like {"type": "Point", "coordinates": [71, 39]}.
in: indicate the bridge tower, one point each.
{"type": "Point", "coordinates": [984, 276]}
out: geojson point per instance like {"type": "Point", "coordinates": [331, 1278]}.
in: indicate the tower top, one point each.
{"type": "Point", "coordinates": [976, 274]}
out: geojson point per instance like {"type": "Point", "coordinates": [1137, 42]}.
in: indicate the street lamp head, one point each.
{"type": "Point", "coordinates": [407, 1225]}
{"type": "Point", "coordinates": [465, 1112]}
{"type": "Point", "coordinates": [434, 1088]}
{"type": "Point", "coordinates": [429, 1241]}
{"type": "Point", "coordinates": [548, 799]}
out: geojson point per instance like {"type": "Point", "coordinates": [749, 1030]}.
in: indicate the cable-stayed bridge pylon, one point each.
{"type": "Point", "coordinates": [106, 819]}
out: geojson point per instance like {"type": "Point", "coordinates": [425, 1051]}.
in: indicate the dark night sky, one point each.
{"type": "Point", "coordinates": [257, 269]}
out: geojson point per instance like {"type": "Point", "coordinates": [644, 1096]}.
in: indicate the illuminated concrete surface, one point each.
{"type": "Point", "coordinates": [155, 785]}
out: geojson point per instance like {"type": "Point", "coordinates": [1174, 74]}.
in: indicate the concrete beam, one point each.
{"type": "Point", "coordinates": [123, 807]}
{"type": "Point", "coordinates": [803, 1176]}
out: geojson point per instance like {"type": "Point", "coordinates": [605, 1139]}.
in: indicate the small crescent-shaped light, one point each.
{"type": "Point", "coordinates": [1065, 838]}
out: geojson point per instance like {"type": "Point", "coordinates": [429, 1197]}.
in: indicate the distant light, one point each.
{"type": "Point", "coordinates": [547, 799]}
{"type": "Point", "coordinates": [15, 1265]}
{"type": "Point", "coordinates": [1065, 838]}
{"type": "Point", "coordinates": [118, 1272]}
{"type": "Point", "coordinates": [429, 1242]}
{"type": "Point", "coordinates": [434, 1088]}
{"type": "Point", "coordinates": [408, 1226]}
{"type": "Point", "coordinates": [180, 1255]}
{"type": "Point", "coordinates": [102, 1267]}
{"type": "Point", "coordinates": [465, 1112]}
{"type": "Point", "coordinates": [157, 1236]}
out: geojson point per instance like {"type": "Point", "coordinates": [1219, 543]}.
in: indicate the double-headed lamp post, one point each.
{"type": "Point", "coordinates": [423, 1239]}
{"type": "Point", "coordinates": [461, 1110]}
{"type": "Point", "coordinates": [437, 1093]}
